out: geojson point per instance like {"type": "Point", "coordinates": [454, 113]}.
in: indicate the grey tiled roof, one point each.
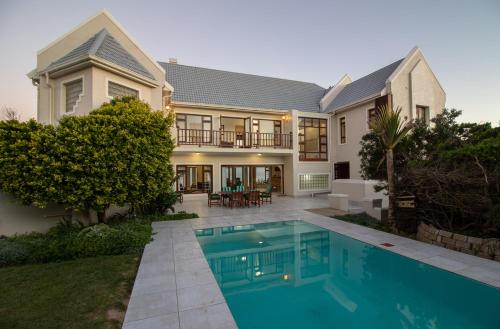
{"type": "Point", "coordinates": [103, 45]}
{"type": "Point", "coordinates": [363, 87]}
{"type": "Point", "coordinates": [200, 85]}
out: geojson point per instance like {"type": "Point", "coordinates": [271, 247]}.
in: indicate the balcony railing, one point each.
{"type": "Point", "coordinates": [232, 139]}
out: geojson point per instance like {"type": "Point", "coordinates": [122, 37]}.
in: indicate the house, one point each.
{"type": "Point", "coordinates": [235, 128]}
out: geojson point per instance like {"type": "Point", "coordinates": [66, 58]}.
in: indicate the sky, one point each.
{"type": "Point", "coordinates": [314, 41]}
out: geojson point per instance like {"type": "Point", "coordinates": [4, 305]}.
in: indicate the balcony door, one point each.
{"type": "Point", "coordinates": [194, 128]}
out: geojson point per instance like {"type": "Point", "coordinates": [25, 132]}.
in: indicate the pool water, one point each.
{"type": "Point", "coordinates": [297, 275]}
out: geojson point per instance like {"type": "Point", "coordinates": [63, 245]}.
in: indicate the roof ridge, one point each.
{"type": "Point", "coordinates": [249, 74]}
{"type": "Point", "coordinates": [376, 71]}
{"type": "Point", "coordinates": [99, 39]}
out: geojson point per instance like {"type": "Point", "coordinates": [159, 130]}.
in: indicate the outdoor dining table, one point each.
{"type": "Point", "coordinates": [226, 194]}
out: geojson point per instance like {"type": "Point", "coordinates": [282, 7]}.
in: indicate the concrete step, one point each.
{"type": "Point", "coordinates": [355, 210]}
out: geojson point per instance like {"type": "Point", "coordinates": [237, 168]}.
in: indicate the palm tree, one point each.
{"type": "Point", "coordinates": [390, 129]}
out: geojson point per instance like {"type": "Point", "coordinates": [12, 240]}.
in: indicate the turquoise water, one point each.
{"type": "Point", "coordinates": [297, 275]}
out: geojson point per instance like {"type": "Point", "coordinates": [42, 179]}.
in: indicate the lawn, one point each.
{"type": "Point", "coordinates": [84, 293]}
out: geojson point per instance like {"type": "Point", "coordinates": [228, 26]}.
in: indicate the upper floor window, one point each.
{"type": "Point", "coordinates": [194, 128]}
{"type": "Point", "coordinates": [269, 132]}
{"type": "Point", "coordinates": [73, 90]}
{"type": "Point", "coordinates": [423, 114]}
{"type": "Point", "coordinates": [372, 114]}
{"type": "Point", "coordinates": [313, 139]}
{"type": "Point", "coordinates": [342, 131]}
{"type": "Point", "coordinates": [118, 90]}
{"type": "Point", "coordinates": [194, 121]}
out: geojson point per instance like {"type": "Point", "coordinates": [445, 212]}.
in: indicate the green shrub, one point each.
{"type": "Point", "coordinates": [65, 242]}
{"type": "Point", "coordinates": [177, 216]}
{"type": "Point", "coordinates": [13, 253]}
{"type": "Point", "coordinates": [118, 154]}
{"type": "Point", "coordinates": [161, 205]}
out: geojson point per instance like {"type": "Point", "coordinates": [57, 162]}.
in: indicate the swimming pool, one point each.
{"type": "Point", "coordinates": [297, 275]}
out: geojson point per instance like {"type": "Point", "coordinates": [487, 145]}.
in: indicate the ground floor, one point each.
{"type": "Point", "coordinates": [204, 172]}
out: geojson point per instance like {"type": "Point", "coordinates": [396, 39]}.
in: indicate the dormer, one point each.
{"type": "Point", "coordinates": [90, 65]}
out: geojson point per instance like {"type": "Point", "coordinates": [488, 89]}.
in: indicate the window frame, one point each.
{"type": "Point", "coordinates": [302, 124]}
{"type": "Point", "coordinates": [203, 121]}
{"type": "Point", "coordinates": [368, 121]}
{"type": "Point", "coordinates": [427, 113]}
{"type": "Point", "coordinates": [340, 130]}
{"type": "Point", "coordinates": [62, 109]}
{"type": "Point", "coordinates": [204, 170]}
{"type": "Point", "coordinates": [335, 171]}
{"type": "Point", "coordinates": [139, 93]}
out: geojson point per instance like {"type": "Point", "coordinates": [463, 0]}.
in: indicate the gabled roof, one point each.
{"type": "Point", "coordinates": [102, 45]}
{"type": "Point", "coordinates": [207, 86]}
{"type": "Point", "coordinates": [364, 87]}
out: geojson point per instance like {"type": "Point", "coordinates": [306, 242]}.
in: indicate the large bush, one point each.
{"type": "Point", "coordinates": [70, 241]}
{"type": "Point", "coordinates": [453, 170]}
{"type": "Point", "coordinates": [119, 154]}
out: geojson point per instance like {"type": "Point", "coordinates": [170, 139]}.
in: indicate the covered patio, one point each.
{"type": "Point", "coordinates": [280, 204]}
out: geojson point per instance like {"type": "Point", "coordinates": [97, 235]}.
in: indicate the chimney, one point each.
{"type": "Point", "coordinates": [172, 60]}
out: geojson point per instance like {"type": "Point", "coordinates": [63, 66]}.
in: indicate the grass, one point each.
{"type": "Point", "coordinates": [365, 220]}
{"type": "Point", "coordinates": [84, 293]}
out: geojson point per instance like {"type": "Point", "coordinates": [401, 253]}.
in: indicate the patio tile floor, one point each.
{"type": "Point", "coordinates": [175, 288]}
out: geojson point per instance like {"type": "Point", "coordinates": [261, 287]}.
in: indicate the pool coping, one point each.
{"type": "Point", "coordinates": [175, 287]}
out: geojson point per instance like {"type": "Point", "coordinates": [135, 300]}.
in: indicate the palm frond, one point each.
{"type": "Point", "coordinates": [389, 126]}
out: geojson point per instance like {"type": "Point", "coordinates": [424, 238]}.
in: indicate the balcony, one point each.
{"type": "Point", "coordinates": [232, 139]}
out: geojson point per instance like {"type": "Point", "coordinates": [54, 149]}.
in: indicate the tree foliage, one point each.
{"type": "Point", "coordinates": [119, 154]}
{"type": "Point", "coordinates": [453, 170]}
{"type": "Point", "coordinates": [390, 130]}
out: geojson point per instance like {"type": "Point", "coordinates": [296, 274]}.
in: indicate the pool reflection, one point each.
{"type": "Point", "coordinates": [296, 275]}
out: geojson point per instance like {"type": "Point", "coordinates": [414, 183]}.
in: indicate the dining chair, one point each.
{"type": "Point", "coordinates": [267, 196]}
{"type": "Point", "coordinates": [236, 198]}
{"type": "Point", "coordinates": [253, 198]}
{"type": "Point", "coordinates": [214, 199]}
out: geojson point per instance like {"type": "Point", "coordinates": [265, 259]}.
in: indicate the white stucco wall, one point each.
{"type": "Point", "coordinates": [416, 85]}
{"type": "Point", "coordinates": [356, 120]}
{"type": "Point", "coordinates": [16, 218]}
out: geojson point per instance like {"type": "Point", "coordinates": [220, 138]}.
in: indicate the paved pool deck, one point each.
{"type": "Point", "coordinates": [175, 288]}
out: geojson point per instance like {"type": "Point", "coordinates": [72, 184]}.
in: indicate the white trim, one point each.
{"type": "Point", "coordinates": [339, 84]}
{"type": "Point", "coordinates": [321, 173]}
{"type": "Point", "coordinates": [121, 84]}
{"type": "Point", "coordinates": [113, 20]}
{"type": "Point", "coordinates": [355, 103]}
{"type": "Point", "coordinates": [339, 130]}
{"type": "Point", "coordinates": [62, 109]}
{"type": "Point", "coordinates": [231, 108]}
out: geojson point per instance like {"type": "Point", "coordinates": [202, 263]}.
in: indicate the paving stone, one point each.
{"type": "Point", "coordinates": [150, 305]}
{"type": "Point", "coordinates": [210, 317]}
{"type": "Point", "coordinates": [157, 283]}
{"type": "Point", "coordinates": [198, 296]}
{"type": "Point", "coordinates": [169, 321]}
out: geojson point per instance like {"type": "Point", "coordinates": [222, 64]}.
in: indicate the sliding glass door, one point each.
{"type": "Point", "coordinates": [252, 177]}
{"type": "Point", "coordinates": [194, 178]}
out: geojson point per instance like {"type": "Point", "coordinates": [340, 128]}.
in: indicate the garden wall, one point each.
{"type": "Point", "coordinates": [486, 248]}
{"type": "Point", "coordinates": [16, 218]}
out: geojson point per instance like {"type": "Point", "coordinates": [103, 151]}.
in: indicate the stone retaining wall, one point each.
{"type": "Point", "coordinates": [486, 248]}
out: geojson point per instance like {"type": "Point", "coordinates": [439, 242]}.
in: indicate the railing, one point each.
{"type": "Point", "coordinates": [232, 139]}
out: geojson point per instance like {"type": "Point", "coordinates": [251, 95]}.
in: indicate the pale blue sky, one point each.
{"type": "Point", "coordinates": [316, 41]}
